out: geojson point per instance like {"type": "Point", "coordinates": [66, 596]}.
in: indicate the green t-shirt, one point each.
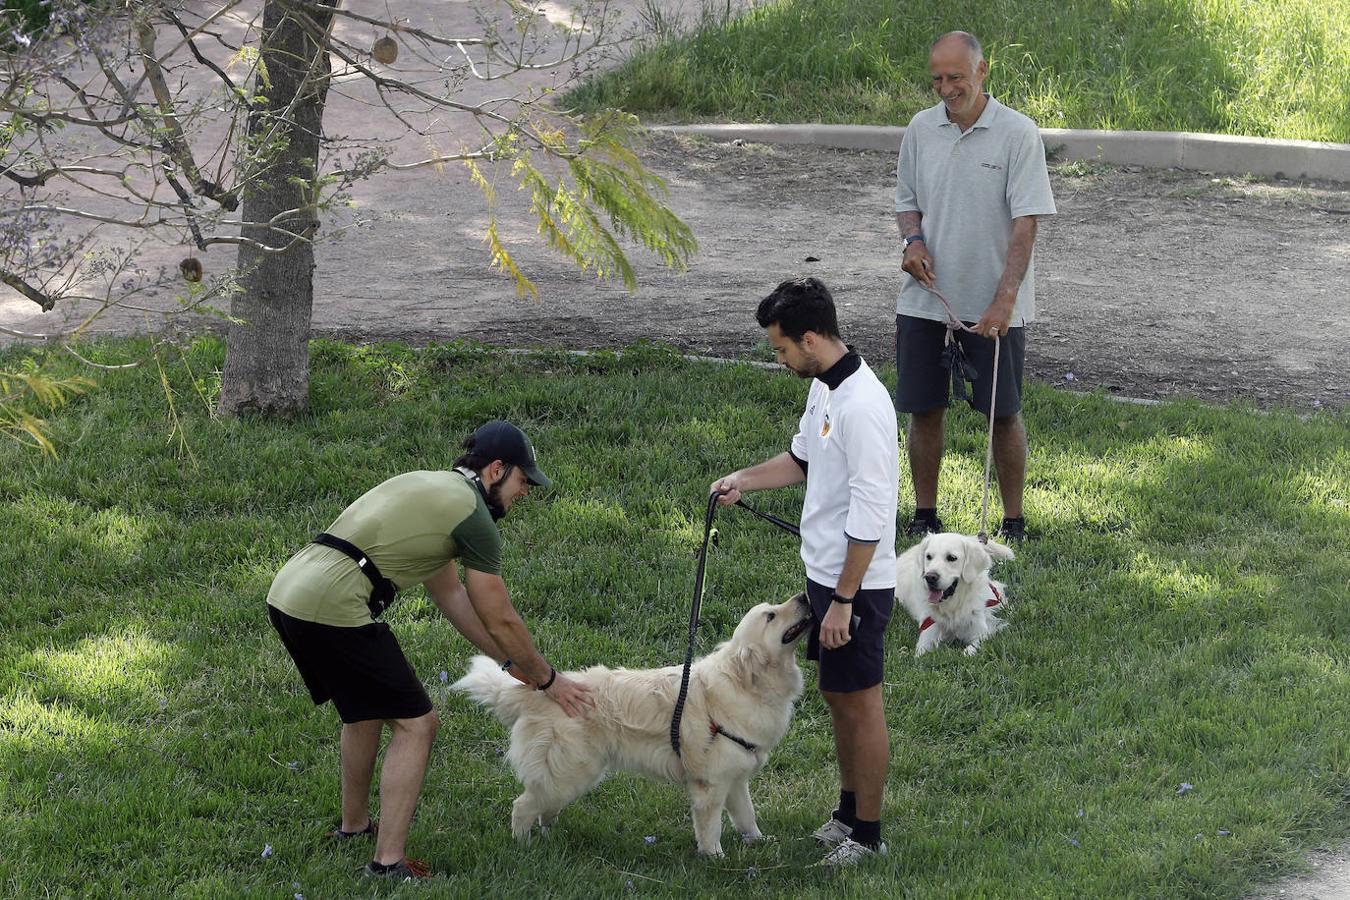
{"type": "Point", "coordinates": [411, 526]}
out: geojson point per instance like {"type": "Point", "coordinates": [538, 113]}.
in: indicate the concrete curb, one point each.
{"type": "Point", "coordinates": [1152, 149]}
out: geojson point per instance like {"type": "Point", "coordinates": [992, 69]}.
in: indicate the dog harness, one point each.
{"type": "Point", "coordinates": [995, 600]}
{"type": "Point", "coordinates": [714, 729]}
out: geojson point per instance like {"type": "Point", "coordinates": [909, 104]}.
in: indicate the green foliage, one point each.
{"type": "Point", "coordinates": [27, 387]}
{"type": "Point", "coordinates": [1182, 618]}
{"type": "Point", "coordinates": [606, 180]}
{"type": "Point", "coordinates": [1269, 68]}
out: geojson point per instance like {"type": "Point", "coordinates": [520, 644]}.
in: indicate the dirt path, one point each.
{"type": "Point", "coordinates": [1151, 284]}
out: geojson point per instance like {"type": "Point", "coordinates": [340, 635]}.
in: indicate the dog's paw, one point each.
{"type": "Point", "coordinates": [712, 852]}
{"type": "Point", "coordinates": [921, 649]}
{"type": "Point", "coordinates": [972, 649]}
{"type": "Point", "coordinates": [757, 838]}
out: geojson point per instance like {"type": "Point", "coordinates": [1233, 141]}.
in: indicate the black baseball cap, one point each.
{"type": "Point", "coordinates": [500, 439]}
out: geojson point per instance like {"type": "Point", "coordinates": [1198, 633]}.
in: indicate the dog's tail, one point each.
{"type": "Point", "coordinates": [487, 684]}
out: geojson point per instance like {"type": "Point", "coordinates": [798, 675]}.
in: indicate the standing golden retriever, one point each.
{"type": "Point", "coordinates": [738, 708]}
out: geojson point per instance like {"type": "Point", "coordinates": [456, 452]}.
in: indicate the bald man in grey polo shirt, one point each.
{"type": "Point", "coordinates": [970, 184]}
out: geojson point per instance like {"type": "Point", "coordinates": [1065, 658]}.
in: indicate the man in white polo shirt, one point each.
{"type": "Point", "coordinates": [970, 184]}
{"type": "Point", "coordinates": [847, 450]}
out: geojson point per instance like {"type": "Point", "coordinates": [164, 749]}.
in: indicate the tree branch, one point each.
{"type": "Point", "coordinates": [175, 141]}
{"type": "Point", "coordinates": [46, 301]}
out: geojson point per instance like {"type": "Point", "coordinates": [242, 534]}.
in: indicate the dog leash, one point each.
{"type": "Point", "coordinates": [708, 533]}
{"type": "Point", "coordinates": [954, 323]}
{"type": "Point", "coordinates": [678, 714]}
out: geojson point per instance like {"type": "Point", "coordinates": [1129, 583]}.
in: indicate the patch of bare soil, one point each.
{"type": "Point", "coordinates": [1150, 283]}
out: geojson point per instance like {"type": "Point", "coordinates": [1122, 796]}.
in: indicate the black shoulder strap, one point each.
{"type": "Point", "coordinates": [382, 589]}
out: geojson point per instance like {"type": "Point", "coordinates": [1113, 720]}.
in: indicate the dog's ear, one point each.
{"type": "Point", "coordinates": [749, 663]}
{"type": "Point", "coordinates": [976, 562]}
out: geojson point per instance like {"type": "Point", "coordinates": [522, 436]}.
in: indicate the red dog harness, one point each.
{"type": "Point", "coordinates": [992, 601]}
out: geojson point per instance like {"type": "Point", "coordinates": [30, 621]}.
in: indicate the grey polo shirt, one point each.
{"type": "Point", "coordinates": [968, 188]}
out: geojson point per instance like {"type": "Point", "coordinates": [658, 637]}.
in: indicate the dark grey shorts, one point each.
{"type": "Point", "coordinates": [861, 663]}
{"type": "Point", "coordinates": [923, 382]}
{"type": "Point", "coordinates": [362, 669]}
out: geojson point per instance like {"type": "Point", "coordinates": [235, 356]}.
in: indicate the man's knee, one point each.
{"type": "Point", "coordinates": [928, 422]}
{"type": "Point", "coordinates": [854, 705]}
{"type": "Point", "coordinates": [423, 727]}
{"type": "Point", "coordinates": [1009, 427]}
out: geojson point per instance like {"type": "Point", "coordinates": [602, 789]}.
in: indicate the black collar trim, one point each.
{"type": "Point", "coordinates": [834, 376]}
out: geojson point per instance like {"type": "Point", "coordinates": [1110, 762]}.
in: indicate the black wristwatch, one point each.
{"type": "Point", "coordinates": [835, 598]}
{"type": "Point", "coordinates": [912, 238]}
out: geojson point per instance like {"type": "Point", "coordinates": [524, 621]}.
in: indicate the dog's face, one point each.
{"type": "Point", "coordinates": [763, 647]}
{"type": "Point", "coordinates": [949, 558]}
{"type": "Point", "coordinates": [773, 629]}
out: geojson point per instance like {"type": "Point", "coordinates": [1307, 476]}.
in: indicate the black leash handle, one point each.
{"type": "Point", "coordinates": [693, 622]}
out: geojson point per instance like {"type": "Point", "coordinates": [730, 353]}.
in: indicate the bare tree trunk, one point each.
{"type": "Point", "coordinates": [267, 358]}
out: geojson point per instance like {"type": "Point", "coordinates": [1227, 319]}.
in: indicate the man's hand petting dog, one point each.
{"type": "Point", "coordinates": [573, 696]}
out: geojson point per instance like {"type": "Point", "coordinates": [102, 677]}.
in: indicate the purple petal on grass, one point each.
{"type": "Point", "coordinates": [1185, 786]}
{"type": "Point", "coordinates": [751, 872]}
{"type": "Point", "coordinates": [1074, 841]}
{"type": "Point", "coordinates": [267, 851]}
{"type": "Point", "coordinates": [293, 765]}
{"type": "Point", "coordinates": [1068, 376]}
{"type": "Point", "coordinates": [649, 840]}
{"type": "Point", "coordinates": [445, 676]}
{"type": "Point", "coordinates": [163, 703]}
{"type": "Point", "coordinates": [1081, 814]}
{"type": "Point", "coordinates": [1224, 833]}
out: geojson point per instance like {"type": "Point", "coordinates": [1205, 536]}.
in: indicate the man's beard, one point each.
{"type": "Point", "coordinates": [493, 498]}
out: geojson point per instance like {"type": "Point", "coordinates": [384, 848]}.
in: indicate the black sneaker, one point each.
{"type": "Point", "coordinates": [919, 527]}
{"type": "Point", "coordinates": [1012, 530]}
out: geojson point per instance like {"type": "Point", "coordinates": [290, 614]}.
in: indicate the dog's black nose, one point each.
{"type": "Point", "coordinates": [932, 579]}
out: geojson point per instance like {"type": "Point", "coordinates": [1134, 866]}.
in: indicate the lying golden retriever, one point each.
{"type": "Point", "coordinates": [944, 583]}
{"type": "Point", "coordinates": [738, 708]}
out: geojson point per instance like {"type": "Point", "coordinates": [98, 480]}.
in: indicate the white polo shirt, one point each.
{"type": "Point", "coordinates": [848, 444]}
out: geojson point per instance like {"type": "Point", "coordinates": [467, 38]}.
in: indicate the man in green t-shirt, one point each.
{"type": "Point", "coordinates": [323, 603]}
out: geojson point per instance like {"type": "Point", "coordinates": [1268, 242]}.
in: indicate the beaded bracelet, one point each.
{"type": "Point", "coordinates": [552, 676]}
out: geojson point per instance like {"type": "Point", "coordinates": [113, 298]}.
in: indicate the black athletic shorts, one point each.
{"type": "Point", "coordinates": [861, 663]}
{"type": "Point", "coordinates": [362, 669]}
{"type": "Point", "coordinates": [923, 382]}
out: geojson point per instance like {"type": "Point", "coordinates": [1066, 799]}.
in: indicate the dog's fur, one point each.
{"type": "Point", "coordinates": [945, 577]}
{"type": "Point", "coordinates": [747, 685]}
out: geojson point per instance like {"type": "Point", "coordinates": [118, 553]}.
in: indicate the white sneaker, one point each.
{"type": "Point", "coordinates": [833, 833]}
{"type": "Point", "coordinates": [850, 853]}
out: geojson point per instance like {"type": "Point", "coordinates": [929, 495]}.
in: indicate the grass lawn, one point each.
{"type": "Point", "coordinates": [1268, 68]}
{"type": "Point", "coordinates": [1183, 619]}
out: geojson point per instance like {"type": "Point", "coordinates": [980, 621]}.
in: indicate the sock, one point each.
{"type": "Point", "coordinates": [383, 867]}
{"type": "Point", "coordinates": [1015, 520]}
{"type": "Point", "coordinates": [926, 515]}
{"type": "Point", "coordinates": [867, 833]}
{"type": "Point", "coordinates": [847, 811]}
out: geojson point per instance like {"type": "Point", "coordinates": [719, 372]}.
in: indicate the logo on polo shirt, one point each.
{"type": "Point", "coordinates": [825, 426]}
{"type": "Point", "coordinates": [996, 168]}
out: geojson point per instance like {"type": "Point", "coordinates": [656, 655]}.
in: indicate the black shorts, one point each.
{"type": "Point", "coordinates": [861, 663]}
{"type": "Point", "coordinates": [923, 383]}
{"type": "Point", "coordinates": [362, 669]}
